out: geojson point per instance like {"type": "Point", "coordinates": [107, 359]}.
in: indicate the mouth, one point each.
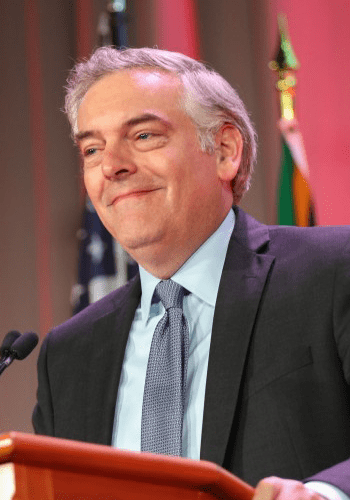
{"type": "Point", "coordinates": [132, 194]}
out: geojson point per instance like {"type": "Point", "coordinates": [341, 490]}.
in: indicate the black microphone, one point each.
{"type": "Point", "coordinates": [24, 345]}
{"type": "Point", "coordinates": [7, 343]}
{"type": "Point", "coordinates": [20, 349]}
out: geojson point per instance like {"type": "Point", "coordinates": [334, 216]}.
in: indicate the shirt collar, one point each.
{"type": "Point", "coordinates": [200, 274]}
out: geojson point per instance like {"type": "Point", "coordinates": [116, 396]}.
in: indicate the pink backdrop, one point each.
{"type": "Point", "coordinates": [320, 34]}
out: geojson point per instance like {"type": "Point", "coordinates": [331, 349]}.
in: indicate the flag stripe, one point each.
{"type": "Point", "coordinates": [285, 205]}
{"type": "Point", "coordinates": [301, 198]}
{"type": "Point", "coordinates": [295, 205]}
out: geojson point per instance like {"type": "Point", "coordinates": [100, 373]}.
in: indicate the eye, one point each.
{"type": "Point", "coordinates": [144, 135]}
{"type": "Point", "coordinates": [89, 151]}
{"type": "Point", "coordinates": [147, 140]}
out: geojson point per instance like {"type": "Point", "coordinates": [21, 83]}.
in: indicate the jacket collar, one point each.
{"type": "Point", "coordinates": [244, 276]}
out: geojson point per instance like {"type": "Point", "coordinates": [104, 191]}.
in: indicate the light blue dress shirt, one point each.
{"type": "Point", "coordinates": [200, 275]}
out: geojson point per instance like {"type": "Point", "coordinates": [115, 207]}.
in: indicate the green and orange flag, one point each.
{"type": "Point", "coordinates": [295, 204]}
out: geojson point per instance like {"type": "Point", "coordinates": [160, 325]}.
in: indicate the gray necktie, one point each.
{"type": "Point", "coordinates": [165, 385]}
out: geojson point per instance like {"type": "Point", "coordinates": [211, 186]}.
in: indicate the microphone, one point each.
{"type": "Point", "coordinates": [24, 345]}
{"type": "Point", "coordinates": [7, 343]}
{"type": "Point", "coordinates": [19, 349]}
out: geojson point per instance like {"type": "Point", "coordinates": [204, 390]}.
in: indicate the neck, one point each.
{"type": "Point", "coordinates": [163, 268]}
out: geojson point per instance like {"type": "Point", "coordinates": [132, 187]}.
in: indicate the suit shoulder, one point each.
{"type": "Point", "coordinates": [83, 321]}
{"type": "Point", "coordinates": [319, 239]}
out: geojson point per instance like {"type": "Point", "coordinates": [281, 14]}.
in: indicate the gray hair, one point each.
{"type": "Point", "coordinates": [209, 99]}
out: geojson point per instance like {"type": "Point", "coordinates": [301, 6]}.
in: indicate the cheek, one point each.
{"type": "Point", "coordinates": [93, 185]}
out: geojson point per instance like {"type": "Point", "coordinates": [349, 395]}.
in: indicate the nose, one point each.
{"type": "Point", "coordinates": [117, 162]}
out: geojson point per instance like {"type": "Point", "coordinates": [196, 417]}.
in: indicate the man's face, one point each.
{"type": "Point", "coordinates": [154, 189]}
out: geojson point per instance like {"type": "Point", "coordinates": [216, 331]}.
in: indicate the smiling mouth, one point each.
{"type": "Point", "coordinates": [133, 194]}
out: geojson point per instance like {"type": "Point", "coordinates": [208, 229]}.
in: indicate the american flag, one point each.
{"type": "Point", "coordinates": [103, 264]}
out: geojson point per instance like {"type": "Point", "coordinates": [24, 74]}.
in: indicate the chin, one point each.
{"type": "Point", "coordinates": [137, 241]}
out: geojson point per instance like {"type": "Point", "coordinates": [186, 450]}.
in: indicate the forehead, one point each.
{"type": "Point", "coordinates": [126, 91]}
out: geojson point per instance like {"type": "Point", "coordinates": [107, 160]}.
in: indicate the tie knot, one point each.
{"type": "Point", "coordinates": [170, 293]}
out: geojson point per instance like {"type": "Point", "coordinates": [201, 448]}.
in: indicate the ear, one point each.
{"type": "Point", "coordinates": [229, 147]}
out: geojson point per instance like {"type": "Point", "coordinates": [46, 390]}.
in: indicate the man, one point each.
{"type": "Point", "coordinates": [167, 149]}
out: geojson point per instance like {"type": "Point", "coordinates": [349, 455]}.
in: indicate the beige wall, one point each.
{"type": "Point", "coordinates": [233, 41]}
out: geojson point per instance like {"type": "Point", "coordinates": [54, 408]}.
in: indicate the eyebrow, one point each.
{"type": "Point", "coordinates": [147, 117]}
{"type": "Point", "coordinates": [83, 135]}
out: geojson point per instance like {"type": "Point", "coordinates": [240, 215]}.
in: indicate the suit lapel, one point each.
{"type": "Point", "coordinates": [110, 334]}
{"type": "Point", "coordinates": [242, 283]}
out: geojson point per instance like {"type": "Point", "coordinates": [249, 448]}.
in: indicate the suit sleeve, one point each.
{"type": "Point", "coordinates": [339, 474]}
{"type": "Point", "coordinates": [43, 418]}
{"type": "Point", "coordinates": [341, 317]}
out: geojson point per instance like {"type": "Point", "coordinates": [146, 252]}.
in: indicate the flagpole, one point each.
{"type": "Point", "coordinates": [285, 64]}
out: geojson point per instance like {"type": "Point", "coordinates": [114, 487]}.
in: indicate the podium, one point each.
{"type": "Point", "coordinates": [44, 468]}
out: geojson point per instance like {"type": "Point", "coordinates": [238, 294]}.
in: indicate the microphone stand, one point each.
{"type": "Point", "coordinates": [6, 362]}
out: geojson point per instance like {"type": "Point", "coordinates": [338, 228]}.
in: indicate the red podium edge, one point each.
{"type": "Point", "coordinates": [74, 456]}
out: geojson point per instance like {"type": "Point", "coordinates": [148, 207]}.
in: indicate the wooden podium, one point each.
{"type": "Point", "coordinates": [43, 468]}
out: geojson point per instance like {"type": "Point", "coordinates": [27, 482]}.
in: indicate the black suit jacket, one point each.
{"type": "Point", "coordinates": [277, 395]}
